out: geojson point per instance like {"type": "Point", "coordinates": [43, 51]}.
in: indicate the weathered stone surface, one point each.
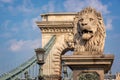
{"type": "Point", "coordinates": [55, 24]}
{"type": "Point", "coordinates": [88, 76]}
{"type": "Point", "coordinates": [89, 31]}
{"type": "Point", "coordinates": [58, 16]}
{"type": "Point", "coordinates": [88, 63]}
{"type": "Point", "coordinates": [59, 24]}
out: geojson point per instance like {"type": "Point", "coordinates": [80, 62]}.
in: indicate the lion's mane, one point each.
{"type": "Point", "coordinates": [96, 43]}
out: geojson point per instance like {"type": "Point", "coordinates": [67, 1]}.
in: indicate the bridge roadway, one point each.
{"type": "Point", "coordinates": [15, 73]}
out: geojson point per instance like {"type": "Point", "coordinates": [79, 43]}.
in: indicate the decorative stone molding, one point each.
{"type": "Point", "coordinates": [52, 77]}
{"type": "Point", "coordinates": [88, 63]}
{"type": "Point", "coordinates": [55, 26]}
{"type": "Point", "coordinates": [69, 40]}
{"type": "Point", "coordinates": [55, 30]}
{"type": "Point", "coordinates": [88, 76]}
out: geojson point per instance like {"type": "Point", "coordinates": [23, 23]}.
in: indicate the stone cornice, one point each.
{"type": "Point", "coordinates": [89, 61]}
{"type": "Point", "coordinates": [55, 23]}
{"type": "Point", "coordinates": [62, 13]}
{"type": "Point", "coordinates": [56, 29]}
{"type": "Point", "coordinates": [55, 26]}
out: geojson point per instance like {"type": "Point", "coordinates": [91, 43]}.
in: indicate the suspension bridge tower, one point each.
{"type": "Point", "coordinates": [84, 34]}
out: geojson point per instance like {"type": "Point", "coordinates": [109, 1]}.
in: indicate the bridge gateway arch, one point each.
{"type": "Point", "coordinates": [59, 25]}
{"type": "Point", "coordinates": [84, 32]}
{"type": "Point", "coordinates": [62, 32]}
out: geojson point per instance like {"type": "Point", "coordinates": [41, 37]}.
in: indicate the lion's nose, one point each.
{"type": "Point", "coordinates": [83, 24]}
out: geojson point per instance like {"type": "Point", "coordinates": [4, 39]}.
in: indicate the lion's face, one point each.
{"type": "Point", "coordinates": [89, 31]}
{"type": "Point", "coordinates": [87, 25]}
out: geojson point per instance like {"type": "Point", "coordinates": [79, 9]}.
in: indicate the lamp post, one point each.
{"type": "Point", "coordinates": [110, 75]}
{"type": "Point", "coordinates": [40, 61]}
{"type": "Point", "coordinates": [65, 72]}
{"type": "Point", "coordinates": [27, 77]}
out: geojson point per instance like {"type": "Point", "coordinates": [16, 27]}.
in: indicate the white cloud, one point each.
{"type": "Point", "coordinates": [24, 45]}
{"type": "Point", "coordinates": [50, 7]}
{"type": "Point", "coordinates": [26, 23]}
{"type": "Point", "coordinates": [98, 5]}
{"type": "Point", "coordinates": [14, 29]}
{"type": "Point", "coordinates": [25, 7]}
{"type": "Point", "coordinates": [28, 8]}
{"type": "Point", "coordinates": [1, 5]}
{"type": "Point", "coordinates": [77, 5]}
{"type": "Point", "coordinates": [109, 24]}
{"type": "Point", "coordinates": [73, 5]}
{"type": "Point", "coordinates": [5, 24]}
{"type": "Point", "coordinates": [5, 35]}
{"type": "Point", "coordinates": [31, 23]}
{"type": "Point", "coordinates": [7, 29]}
{"type": "Point", "coordinates": [34, 25]}
{"type": "Point", "coordinates": [7, 1]}
{"type": "Point", "coordinates": [15, 46]}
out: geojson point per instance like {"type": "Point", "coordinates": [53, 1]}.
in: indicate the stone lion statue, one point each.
{"type": "Point", "coordinates": [89, 31]}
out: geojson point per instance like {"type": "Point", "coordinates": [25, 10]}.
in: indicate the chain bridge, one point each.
{"type": "Point", "coordinates": [57, 31]}
{"type": "Point", "coordinates": [30, 65]}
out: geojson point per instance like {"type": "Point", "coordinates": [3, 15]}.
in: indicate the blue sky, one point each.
{"type": "Point", "coordinates": [19, 35]}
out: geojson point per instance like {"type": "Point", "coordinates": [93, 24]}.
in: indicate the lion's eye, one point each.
{"type": "Point", "coordinates": [81, 20]}
{"type": "Point", "coordinates": [91, 19]}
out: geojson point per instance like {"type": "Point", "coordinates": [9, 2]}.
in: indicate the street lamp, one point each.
{"type": "Point", "coordinates": [110, 75]}
{"type": "Point", "coordinates": [40, 55]}
{"type": "Point", "coordinates": [40, 60]}
{"type": "Point", "coordinates": [65, 72]}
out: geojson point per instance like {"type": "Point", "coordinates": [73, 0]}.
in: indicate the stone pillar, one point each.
{"type": "Point", "coordinates": [58, 24]}
{"type": "Point", "coordinates": [92, 65]}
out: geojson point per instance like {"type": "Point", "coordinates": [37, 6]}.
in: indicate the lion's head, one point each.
{"type": "Point", "coordinates": [89, 31]}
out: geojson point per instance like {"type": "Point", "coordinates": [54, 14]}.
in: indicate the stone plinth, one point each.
{"type": "Point", "coordinates": [99, 64]}
{"type": "Point", "coordinates": [52, 77]}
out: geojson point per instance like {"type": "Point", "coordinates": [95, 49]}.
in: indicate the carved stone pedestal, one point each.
{"type": "Point", "coordinates": [90, 67]}
{"type": "Point", "coordinates": [52, 77]}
